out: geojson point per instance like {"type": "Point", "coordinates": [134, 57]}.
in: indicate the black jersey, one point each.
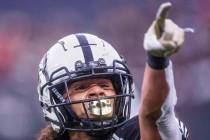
{"type": "Point", "coordinates": [131, 131]}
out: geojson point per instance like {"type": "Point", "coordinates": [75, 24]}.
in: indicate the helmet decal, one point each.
{"type": "Point", "coordinates": [63, 45]}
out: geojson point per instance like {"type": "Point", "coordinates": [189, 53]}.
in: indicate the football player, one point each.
{"type": "Point", "coordinates": [85, 88]}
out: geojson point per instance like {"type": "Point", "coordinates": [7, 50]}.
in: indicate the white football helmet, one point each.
{"type": "Point", "coordinates": [76, 57]}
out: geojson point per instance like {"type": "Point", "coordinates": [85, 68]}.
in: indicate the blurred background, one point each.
{"type": "Point", "coordinates": [28, 28]}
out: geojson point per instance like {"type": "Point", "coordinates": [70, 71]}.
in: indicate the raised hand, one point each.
{"type": "Point", "coordinates": [163, 37]}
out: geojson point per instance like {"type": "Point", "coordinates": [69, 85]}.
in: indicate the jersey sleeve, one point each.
{"type": "Point", "coordinates": [168, 125]}
{"type": "Point", "coordinates": [131, 130]}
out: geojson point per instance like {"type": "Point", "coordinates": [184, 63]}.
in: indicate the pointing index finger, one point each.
{"type": "Point", "coordinates": [163, 10]}
{"type": "Point", "coordinates": [162, 14]}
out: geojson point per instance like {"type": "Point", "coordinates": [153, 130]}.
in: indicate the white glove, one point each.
{"type": "Point", "coordinates": [163, 37]}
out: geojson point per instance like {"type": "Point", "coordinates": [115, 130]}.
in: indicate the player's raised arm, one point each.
{"type": "Point", "coordinates": [158, 96]}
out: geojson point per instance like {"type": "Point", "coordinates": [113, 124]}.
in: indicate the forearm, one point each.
{"type": "Point", "coordinates": [154, 92]}
{"type": "Point", "coordinates": [158, 99]}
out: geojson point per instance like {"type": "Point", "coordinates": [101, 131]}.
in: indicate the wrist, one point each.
{"type": "Point", "coordinates": [156, 62]}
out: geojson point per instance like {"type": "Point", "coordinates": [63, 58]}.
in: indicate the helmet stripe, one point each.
{"type": "Point", "coordinates": [85, 48]}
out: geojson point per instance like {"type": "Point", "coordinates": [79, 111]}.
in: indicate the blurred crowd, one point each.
{"type": "Point", "coordinates": [28, 28]}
